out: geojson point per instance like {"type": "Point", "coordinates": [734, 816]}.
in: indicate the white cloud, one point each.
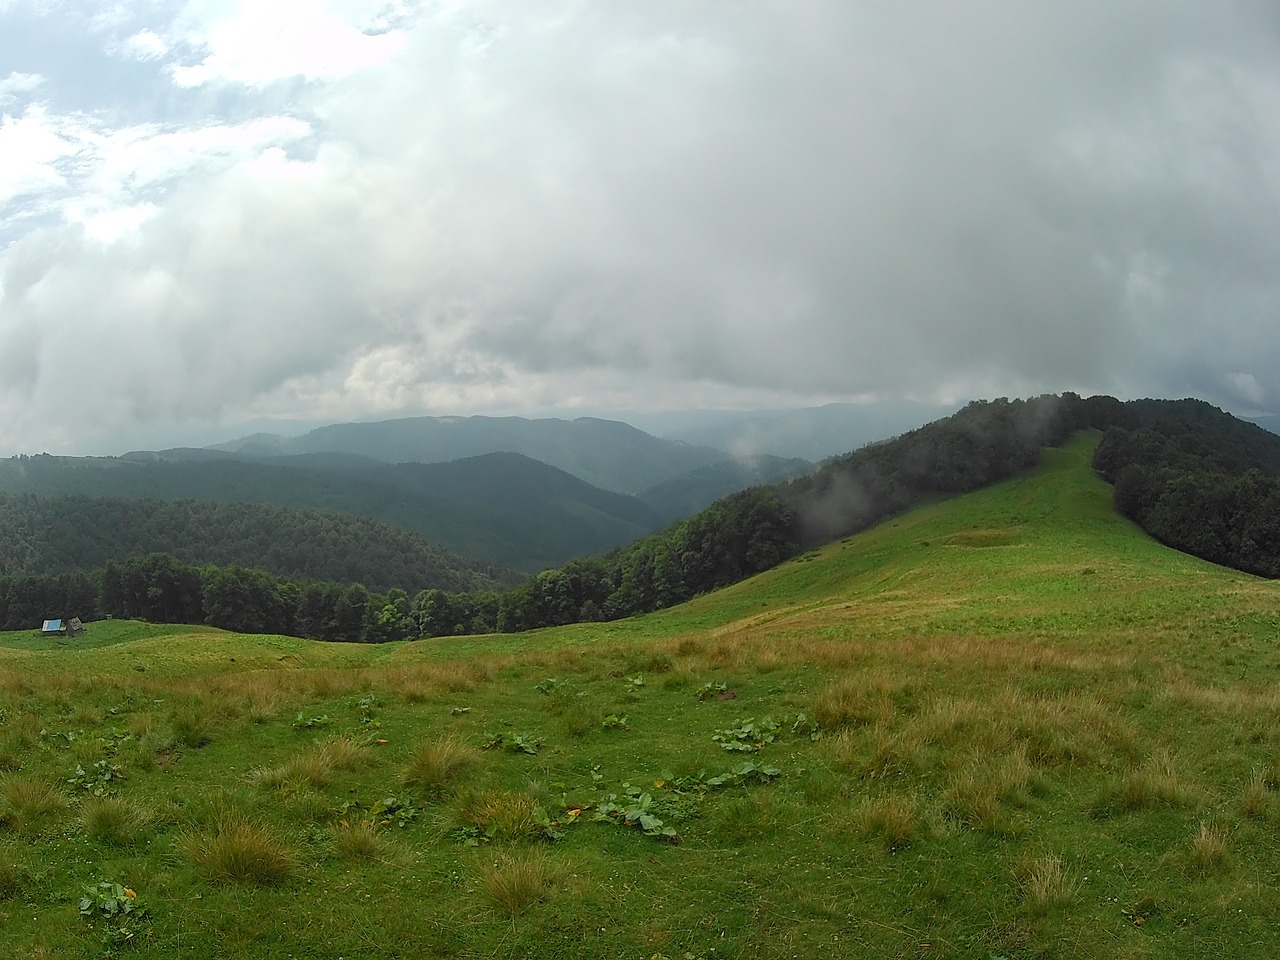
{"type": "Point", "coordinates": [31, 147]}
{"type": "Point", "coordinates": [17, 83]}
{"type": "Point", "coordinates": [259, 43]}
{"type": "Point", "coordinates": [105, 179]}
{"type": "Point", "coordinates": [144, 45]}
{"type": "Point", "coordinates": [104, 221]}
{"type": "Point", "coordinates": [136, 158]}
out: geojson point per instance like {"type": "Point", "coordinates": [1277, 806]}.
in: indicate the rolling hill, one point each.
{"type": "Point", "coordinates": [1004, 725]}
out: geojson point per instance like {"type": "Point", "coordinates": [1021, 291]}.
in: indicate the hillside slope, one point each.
{"type": "Point", "coordinates": [1044, 554]}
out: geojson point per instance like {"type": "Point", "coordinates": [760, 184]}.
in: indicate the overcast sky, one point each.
{"type": "Point", "coordinates": [219, 210]}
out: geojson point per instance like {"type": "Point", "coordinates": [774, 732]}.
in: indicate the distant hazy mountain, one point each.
{"type": "Point", "coordinates": [811, 433]}
{"type": "Point", "coordinates": [605, 453]}
{"type": "Point", "coordinates": [686, 495]}
{"type": "Point", "coordinates": [503, 509]}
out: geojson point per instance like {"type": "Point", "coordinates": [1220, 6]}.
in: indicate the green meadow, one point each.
{"type": "Point", "coordinates": [1007, 725]}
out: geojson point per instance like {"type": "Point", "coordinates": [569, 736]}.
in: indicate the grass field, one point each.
{"type": "Point", "coordinates": [1004, 726]}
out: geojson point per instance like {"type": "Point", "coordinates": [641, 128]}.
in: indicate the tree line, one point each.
{"type": "Point", "coordinates": [1203, 487]}
{"type": "Point", "coordinates": [161, 589]}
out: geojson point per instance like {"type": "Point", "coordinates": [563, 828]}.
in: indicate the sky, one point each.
{"type": "Point", "coordinates": [216, 213]}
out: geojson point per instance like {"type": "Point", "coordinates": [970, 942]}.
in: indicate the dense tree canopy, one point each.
{"type": "Point", "coordinates": [1199, 481]}
{"type": "Point", "coordinates": [50, 535]}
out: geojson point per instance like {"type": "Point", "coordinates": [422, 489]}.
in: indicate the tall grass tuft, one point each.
{"type": "Point", "coordinates": [234, 850]}
{"type": "Point", "coordinates": [895, 753]}
{"type": "Point", "coordinates": [437, 766]}
{"type": "Point", "coordinates": [892, 820]}
{"type": "Point", "coordinates": [153, 742]}
{"type": "Point", "coordinates": [973, 798]}
{"type": "Point", "coordinates": [28, 804]}
{"type": "Point", "coordinates": [1209, 852]}
{"type": "Point", "coordinates": [1157, 783]}
{"type": "Point", "coordinates": [1256, 799]}
{"type": "Point", "coordinates": [344, 754]}
{"type": "Point", "coordinates": [358, 841]}
{"type": "Point", "coordinates": [1046, 884]}
{"type": "Point", "coordinates": [857, 701]}
{"type": "Point", "coordinates": [313, 767]}
{"type": "Point", "coordinates": [502, 815]}
{"type": "Point", "coordinates": [193, 727]}
{"type": "Point", "coordinates": [114, 821]}
{"type": "Point", "coordinates": [514, 883]}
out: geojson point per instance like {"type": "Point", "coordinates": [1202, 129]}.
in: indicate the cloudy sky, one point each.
{"type": "Point", "coordinates": [220, 211]}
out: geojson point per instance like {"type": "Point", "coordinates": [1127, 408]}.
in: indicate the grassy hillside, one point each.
{"type": "Point", "coordinates": [1008, 725]}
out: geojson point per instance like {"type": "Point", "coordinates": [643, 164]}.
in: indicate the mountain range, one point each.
{"type": "Point", "coordinates": [497, 507]}
{"type": "Point", "coordinates": [605, 453]}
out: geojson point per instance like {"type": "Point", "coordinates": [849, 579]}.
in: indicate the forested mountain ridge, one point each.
{"type": "Point", "coordinates": [502, 509]}
{"type": "Point", "coordinates": [605, 453]}
{"type": "Point", "coordinates": [42, 536]}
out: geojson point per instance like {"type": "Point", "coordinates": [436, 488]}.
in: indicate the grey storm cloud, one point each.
{"type": "Point", "coordinates": [831, 199]}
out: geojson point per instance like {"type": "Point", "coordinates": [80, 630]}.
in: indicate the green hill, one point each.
{"type": "Point", "coordinates": [1004, 725]}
